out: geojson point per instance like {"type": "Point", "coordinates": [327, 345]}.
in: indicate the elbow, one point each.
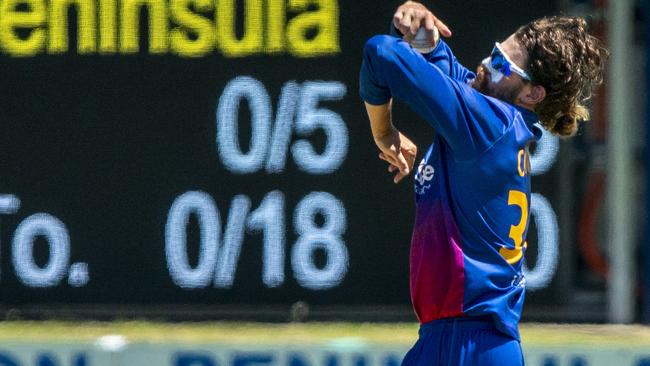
{"type": "Point", "coordinates": [378, 46]}
{"type": "Point", "coordinates": [374, 85]}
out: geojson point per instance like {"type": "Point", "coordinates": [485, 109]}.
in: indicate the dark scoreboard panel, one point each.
{"type": "Point", "coordinates": [210, 152]}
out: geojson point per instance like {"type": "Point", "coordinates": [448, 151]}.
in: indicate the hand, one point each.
{"type": "Point", "coordinates": [398, 151]}
{"type": "Point", "coordinates": [410, 16]}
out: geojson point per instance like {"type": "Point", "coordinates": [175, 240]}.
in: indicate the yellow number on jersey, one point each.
{"type": "Point", "coordinates": [512, 256]}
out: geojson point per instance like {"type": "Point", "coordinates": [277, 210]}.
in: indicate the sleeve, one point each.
{"type": "Point", "coordinates": [442, 57]}
{"type": "Point", "coordinates": [468, 121]}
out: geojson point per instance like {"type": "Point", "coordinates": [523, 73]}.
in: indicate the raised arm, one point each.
{"type": "Point", "coordinates": [408, 18]}
{"type": "Point", "coordinates": [468, 121]}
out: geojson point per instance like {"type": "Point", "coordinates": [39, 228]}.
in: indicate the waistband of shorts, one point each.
{"type": "Point", "coordinates": [473, 322]}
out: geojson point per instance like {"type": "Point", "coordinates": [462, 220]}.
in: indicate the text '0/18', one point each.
{"type": "Point", "coordinates": [219, 248]}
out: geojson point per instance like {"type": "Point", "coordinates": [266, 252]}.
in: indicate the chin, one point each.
{"type": "Point", "coordinates": [481, 82]}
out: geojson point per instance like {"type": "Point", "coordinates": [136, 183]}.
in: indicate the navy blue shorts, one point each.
{"type": "Point", "coordinates": [463, 342]}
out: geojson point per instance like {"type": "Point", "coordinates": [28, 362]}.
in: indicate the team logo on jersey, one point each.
{"type": "Point", "coordinates": [423, 175]}
{"type": "Point", "coordinates": [519, 281]}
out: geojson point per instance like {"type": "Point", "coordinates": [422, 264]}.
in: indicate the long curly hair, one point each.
{"type": "Point", "coordinates": [569, 63]}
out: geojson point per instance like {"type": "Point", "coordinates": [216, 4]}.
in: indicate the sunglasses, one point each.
{"type": "Point", "coordinates": [499, 65]}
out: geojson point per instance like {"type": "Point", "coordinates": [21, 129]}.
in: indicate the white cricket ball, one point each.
{"type": "Point", "coordinates": [425, 41]}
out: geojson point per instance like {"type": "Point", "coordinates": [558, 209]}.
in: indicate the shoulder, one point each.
{"type": "Point", "coordinates": [509, 128]}
{"type": "Point", "coordinates": [515, 118]}
{"type": "Point", "coordinates": [491, 114]}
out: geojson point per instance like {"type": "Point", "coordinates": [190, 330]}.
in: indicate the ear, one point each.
{"type": "Point", "coordinates": [532, 95]}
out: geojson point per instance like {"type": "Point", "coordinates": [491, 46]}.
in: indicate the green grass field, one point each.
{"type": "Point", "coordinates": [293, 333]}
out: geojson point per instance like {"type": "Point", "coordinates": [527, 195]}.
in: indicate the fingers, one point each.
{"type": "Point", "coordinates": [416, 19]}
{"type": "Point", "coordinates": [409, 150]}
{"type": "Point", "coordinates": [429, 22]}
{"type": "Point", "coordinates": [405, 24]}
{"type": "Point", "coordinates": [400, 174]}
{"type": "Point", "coordinates": [401, 21]}
{"type": "Point", "coordinates": [400, 165]}
{"type": "Point", "coordinates": [396, 159]}
{"type": "Point", "coordinates": [393, 168]}
{"type": "Point", "coordinates": [397, 20]}
{"type": "Point", "coordinates": [410, 16]}
{"type": "Point", "coordinates": [411, 21]}
{"type": "Point", "coordinates": [393, 160]}
{"type": "Point", "coordinates": [398, 151]}
{"type": "Point", "coordinates": [398, 177]}
{"type": "Point", "coordinates": [442, 28]}
{"type": "Point", "coordinates": [408, 19]}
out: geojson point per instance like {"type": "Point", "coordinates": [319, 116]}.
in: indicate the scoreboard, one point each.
{"type": "Point", "coordinates": [205, 152]}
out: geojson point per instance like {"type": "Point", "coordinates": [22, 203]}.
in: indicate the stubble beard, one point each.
{"type": "Point", "coordinates": [482, 84]}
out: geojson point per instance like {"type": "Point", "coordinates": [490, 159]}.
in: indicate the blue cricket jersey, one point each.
{"type": "Point", "coordinates": [472, 188]}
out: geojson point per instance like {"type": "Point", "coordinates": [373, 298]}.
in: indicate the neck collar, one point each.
{"type": "Point", "coordinates": [532, 120]}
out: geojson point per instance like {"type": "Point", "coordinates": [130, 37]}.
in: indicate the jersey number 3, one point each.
{"type": "Point", "coordinates": [512, 256]}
